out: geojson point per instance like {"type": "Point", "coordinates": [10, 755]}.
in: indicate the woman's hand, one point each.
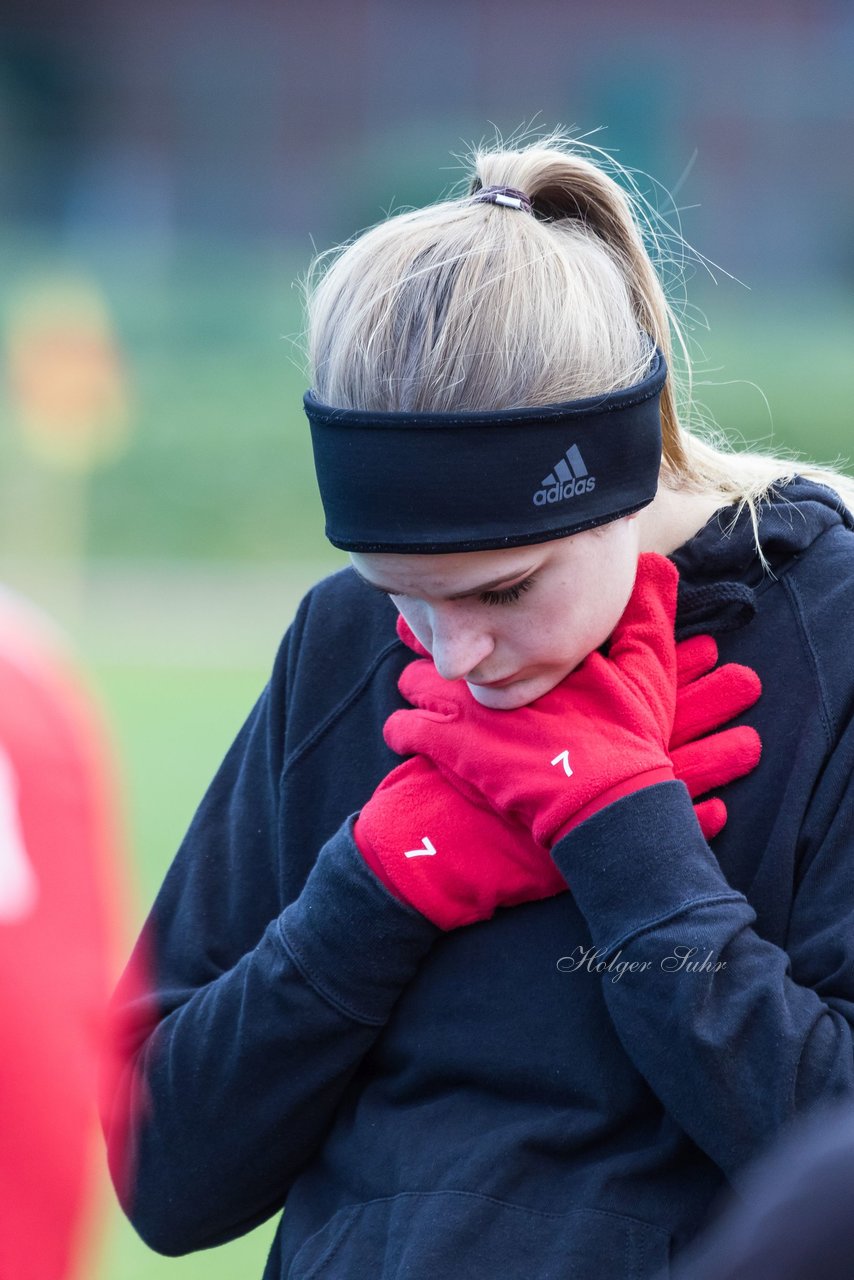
{"type": "Point", "coordinates": [706, 698]}
{"type": "Point", "coordinates": [446, 854]}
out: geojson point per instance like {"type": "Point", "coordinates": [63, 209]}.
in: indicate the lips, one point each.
{"type": "Point", "coordinates": [496, 684]}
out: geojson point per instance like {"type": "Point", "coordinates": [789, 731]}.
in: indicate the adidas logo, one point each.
{"type": "Point", "coordinates": [568, 480]}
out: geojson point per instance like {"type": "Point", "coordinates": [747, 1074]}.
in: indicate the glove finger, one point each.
{"type": "Point", "coordinates": [714, 761]}
{"type": "Point", "coordinates": [411, 732]}
{"type": "Point", "coordinates": [695, 657]}
{"type": "Point", "coordinates": [712, 816]}
{"type": "Point", "coordinates": [713, 700]}
{"type": "Point", "coordinates": [409, 638]}
{"type": "Point", "coordinates": [421, 684]}
{"type": "Point", "coordinates": [643, 646]}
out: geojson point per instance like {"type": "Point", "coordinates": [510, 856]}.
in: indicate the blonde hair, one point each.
{"type": "Point", "coordinates": [469, 305]}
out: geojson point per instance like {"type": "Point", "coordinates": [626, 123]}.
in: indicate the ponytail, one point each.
{"type": "Point", "coordinates": [470, 305]}
{"type": "Point", "coordinates": [567, 188]}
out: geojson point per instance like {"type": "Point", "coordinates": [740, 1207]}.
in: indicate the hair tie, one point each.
{"type": "Point", "coordinates": [508, 196]}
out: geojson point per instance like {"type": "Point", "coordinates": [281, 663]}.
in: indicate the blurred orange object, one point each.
{"type": "Point", "coordinates": [63, 909]}
{"type": "Point", "coordinates": [67, 376]}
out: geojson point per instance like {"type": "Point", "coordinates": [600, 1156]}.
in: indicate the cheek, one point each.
{"type": "Point", "coordinates": [614, 598]}
{"type": "Point", "coordinates": [584, 613]}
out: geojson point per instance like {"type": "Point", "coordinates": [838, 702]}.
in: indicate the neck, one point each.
{"type": "Point", "coordinates": [673, 517]}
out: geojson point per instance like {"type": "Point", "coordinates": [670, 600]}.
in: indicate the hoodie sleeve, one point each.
{"type": "Point", "coordinates": [735, 1035]}
{"type": "Point", "coordinates": [240, 1018]}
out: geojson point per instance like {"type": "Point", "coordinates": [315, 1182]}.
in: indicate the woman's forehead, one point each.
{"type": "Point", "coordinates": [462, 572]}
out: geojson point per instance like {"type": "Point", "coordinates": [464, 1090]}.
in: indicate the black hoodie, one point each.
{"type": "Point", "coordinates": [562, 1090]}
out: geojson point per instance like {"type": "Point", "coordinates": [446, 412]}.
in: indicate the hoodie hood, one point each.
{"type": "Point", "coordinates": [720, 573]}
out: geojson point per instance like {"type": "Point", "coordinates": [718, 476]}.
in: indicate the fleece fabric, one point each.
{"type": "Point", "coordinates": [564, 1090]}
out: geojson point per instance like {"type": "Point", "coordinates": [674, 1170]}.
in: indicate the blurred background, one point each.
{"type": "Point", "coordinates": [168, 172]}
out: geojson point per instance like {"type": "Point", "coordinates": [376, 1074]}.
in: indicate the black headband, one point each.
{"type": "Point", "coordinates": [474, 480]}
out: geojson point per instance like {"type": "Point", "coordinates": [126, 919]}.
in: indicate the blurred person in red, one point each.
{"type": "Point", "coordinates": [62, 903]}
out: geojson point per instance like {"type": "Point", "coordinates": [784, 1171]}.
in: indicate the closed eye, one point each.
{"type": "Point", "coordinates": [510, 595]}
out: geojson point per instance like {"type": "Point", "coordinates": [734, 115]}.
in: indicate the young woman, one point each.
{"type": "Point", "coordinates": [448, 965]}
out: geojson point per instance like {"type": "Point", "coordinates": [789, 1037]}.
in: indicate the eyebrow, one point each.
{"type": "Point", "coordinates": [459, 595]}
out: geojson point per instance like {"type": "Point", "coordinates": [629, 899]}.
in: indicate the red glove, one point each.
{"type": "Point", "coordinates": [453, 860]}
{"type": "Point", "coordinates": [701, 759]}
{"type": "Point", "coordinates": [706, 699]}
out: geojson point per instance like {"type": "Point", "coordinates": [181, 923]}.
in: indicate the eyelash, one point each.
{"type": "Point", "coordinates": [510, 596]}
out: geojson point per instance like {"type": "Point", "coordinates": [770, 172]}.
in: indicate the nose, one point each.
{"type": "Point", "coordinates": [458, 646]}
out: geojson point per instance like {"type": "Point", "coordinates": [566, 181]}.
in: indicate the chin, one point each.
{"type": "Point", "coordinates": [515, 695]}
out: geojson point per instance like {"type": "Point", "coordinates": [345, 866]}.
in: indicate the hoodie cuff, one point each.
{"type": "Point", "coordinates": [355, 942]}
{"type": "Point", "coordinates": [639, 862]}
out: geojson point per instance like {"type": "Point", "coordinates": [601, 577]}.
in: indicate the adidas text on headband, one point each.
{"type": "Point", "coordinates": [474, 480]}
